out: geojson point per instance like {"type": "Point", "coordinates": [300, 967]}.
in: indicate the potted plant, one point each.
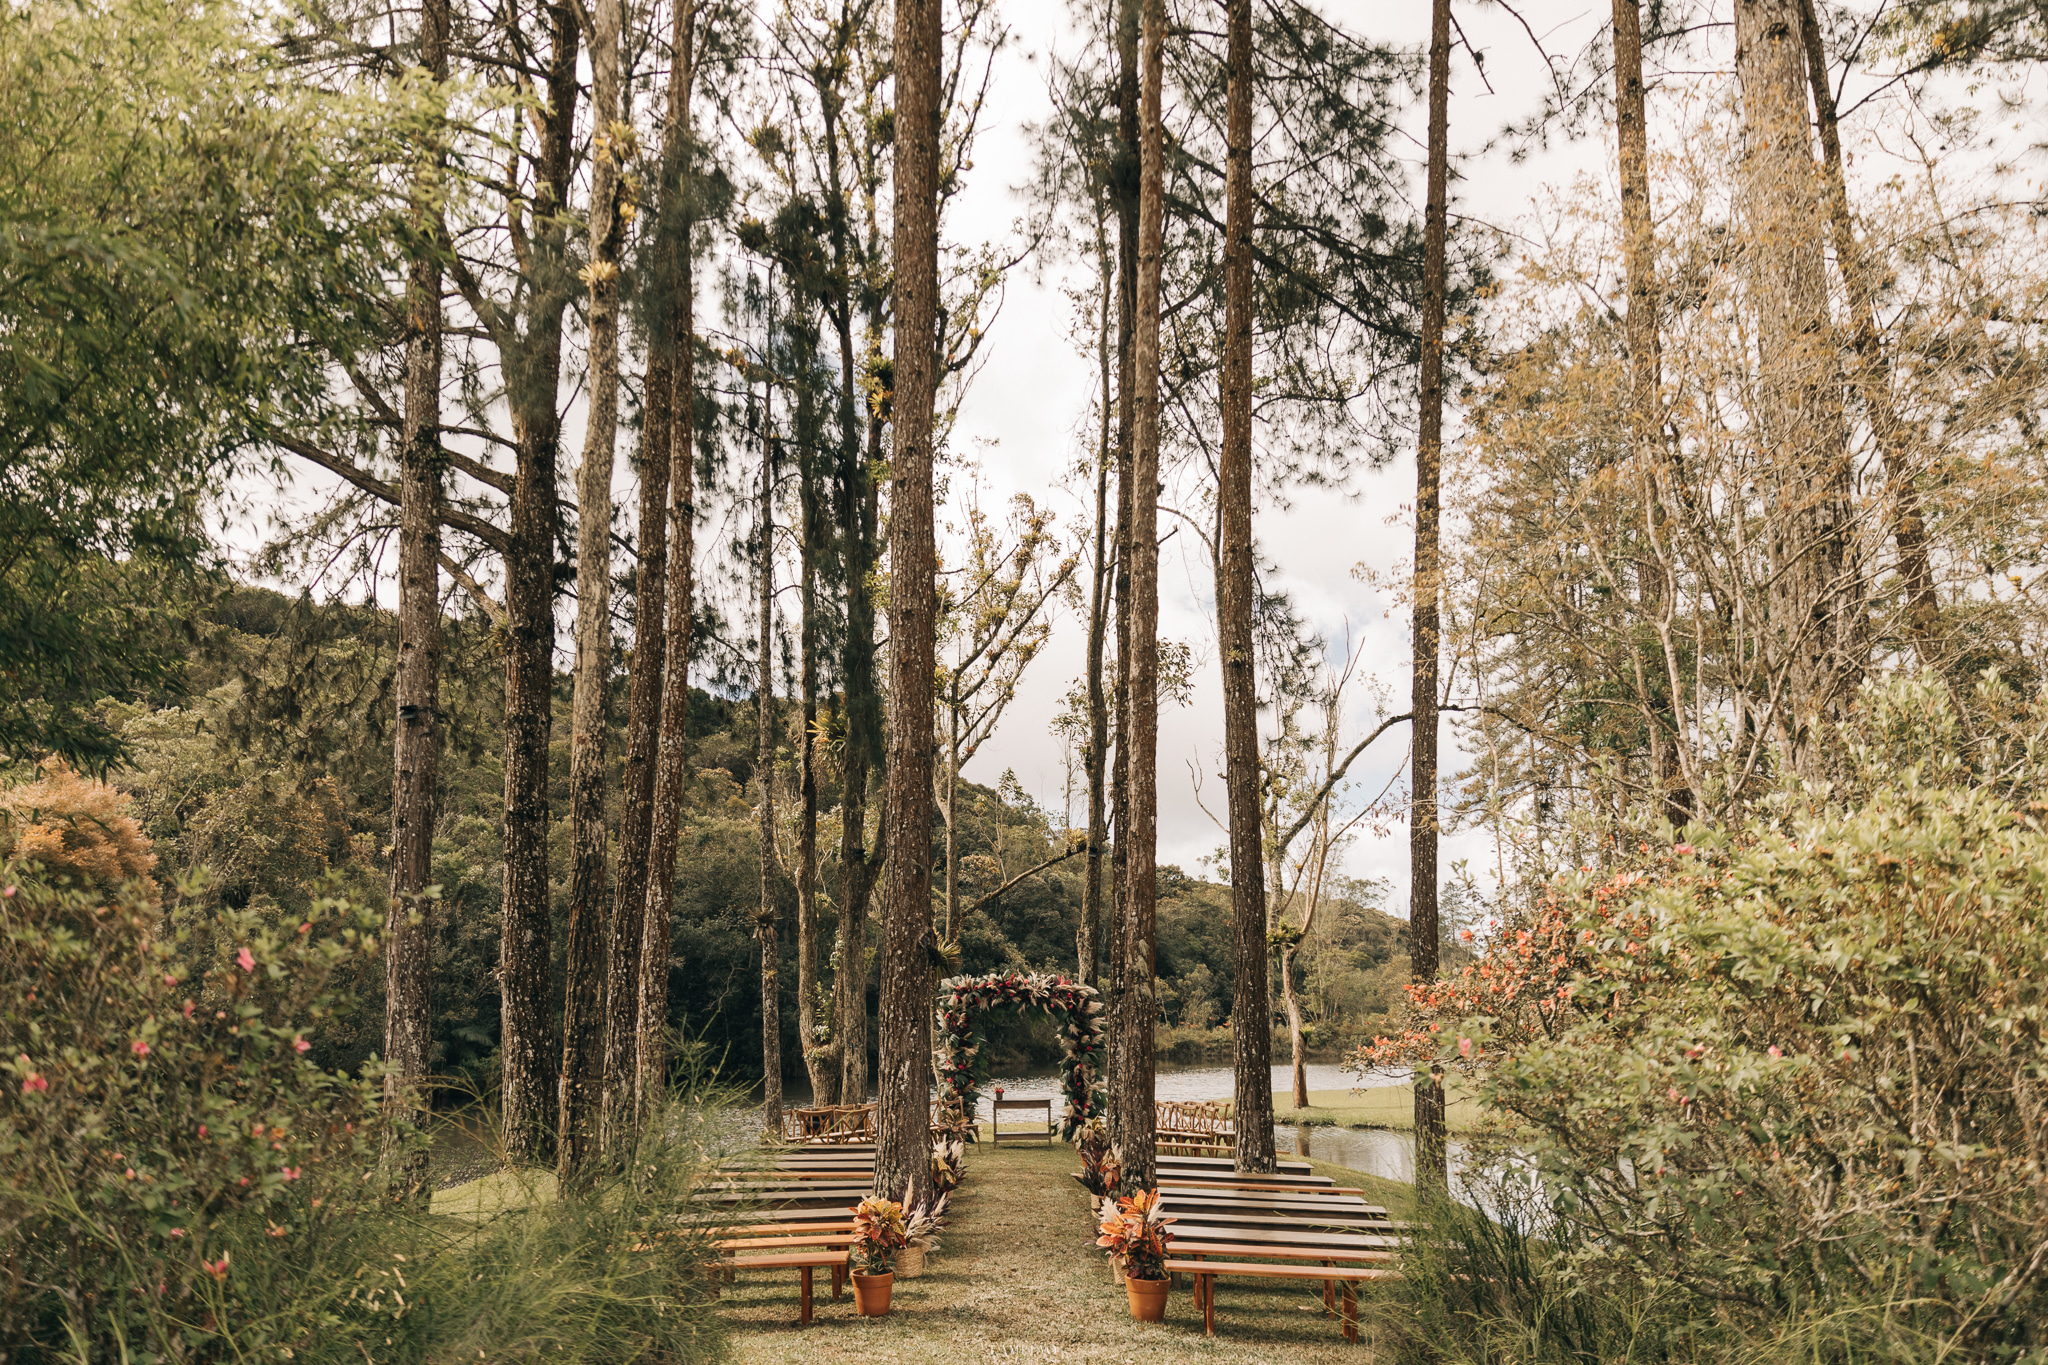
{"type": "Point", "coordinates": [1136, 1237]}
{"type": "Point", "coordinates": [879, 1234]}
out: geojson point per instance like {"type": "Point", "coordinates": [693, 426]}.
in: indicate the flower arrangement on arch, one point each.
{"type": "Point", "coordinates": [1136, 1235]}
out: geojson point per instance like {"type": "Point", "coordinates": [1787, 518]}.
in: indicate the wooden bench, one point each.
{"type": "Point", "coordinates": [803, 1262]}
{"type": "Point", "coordinates": [995, 1127]}
{"type": "Point", "coordinates": [1225, 1166]}
{"type": "Point", "coordinates": [1341, 1278]}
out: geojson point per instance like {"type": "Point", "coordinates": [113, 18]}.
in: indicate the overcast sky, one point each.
{"type": "Point", "coordinates": [1025, 410]}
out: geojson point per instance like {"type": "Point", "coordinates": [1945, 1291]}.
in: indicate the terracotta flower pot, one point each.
{"type": "Point", "coordinates": [1148, 1298]}
{"type": "Point", "coordinates": [871, 1293]}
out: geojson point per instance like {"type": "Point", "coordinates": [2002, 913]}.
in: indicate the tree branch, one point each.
{"type": "Point", "coordinates": [990, 898]}
{"type": "Point", "coordinates": [384, 492]}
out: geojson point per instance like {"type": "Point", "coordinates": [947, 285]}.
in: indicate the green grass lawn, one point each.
{"type": "Point", "coordinates": [1385, 1106]}
{"type": "Point", "coordinates": [1019, 1279]}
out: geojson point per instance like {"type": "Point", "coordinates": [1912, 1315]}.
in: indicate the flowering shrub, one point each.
{"type": "Point", "coordinates": [165, 1145]}
{"type": "Point", "coordinates": [1799, 1075]}
{"type": "Point", "coordinates": [1136, 1236]}
{"type": "Point", "coordinates": [1101, 1163]}
{"type": "Point", "coordinates": [76, 831]}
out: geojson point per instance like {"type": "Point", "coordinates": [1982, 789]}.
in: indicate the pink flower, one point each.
{"type": "Point", "coordinates": [1777, 1051]}
{"type": "Point", "coordinates": [188, 1009]}
{"type": "Point", "coordinates": [291, 1173]}
{"type": "Point", "coordinates": [131, 1173]}
{"type": "Point", "coordinates": [301, 1046]}
{"type": "Point", "coordinates": [170, 980]}
{"type": "Point", "coordinates": [217, 1269]}
{"type": "Point", "coordinates": [35, 1084]}
{"type": "Point", "coordinates": [1464, 1047]}
{"type": "Point", "coordinates": [9, 892]}
{"type": "Point", "coordinates": [243, 1181]}
{"type": "Point", "coordinates": [1682, 848]}
{"type": "Point", "coordinates": [1465, 934]}
{"type": "Point", "coordinates": [1676, 1098]}
{"type": "Point", "coordinates": [202, 1130]}
{"type": "Point", "coordinates": [177, 1232]}
{"type": "Point", "coordinates": [245, 959]}
{"type": "Point", "coordinates": [139, 1048]}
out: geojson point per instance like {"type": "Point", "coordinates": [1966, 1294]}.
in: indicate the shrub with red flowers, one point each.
{"type": "Point", "coordinates": [167, 1152]}
{"type": "Point", "coordinates": [1796, 1078]}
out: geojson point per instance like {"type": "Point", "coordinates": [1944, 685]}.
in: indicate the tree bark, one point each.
{"type": "Point", "coordinates": [766, 926]}
{"type": "Point", "coordinates": [819, 1064]}
{"type": "Point", "coordinates": [1088, 938]}
{"type": "Point", "coordinates": [624, 974]}
{"type": "Point", "coordinates": [672, 752]}
{"type": "Point", "coordinates": [1251, 1012]}
{"type": "Point", "coordinates": [1873, 367]}
{"type": "Point", "coordinates": [859, 866]}
{"type": "Point", "coordinates": [643, 721]}
{"type": "Point", "coordinates": [1431, 1173]}
{"type": "Point", "coordinates": [1812, 628]}
{"type": "Point", "coordinates": [902, 1157]}
{"type": "Point", "coordinates": [408, 931]}
{"type": "Point", "coordinates": [583, 1000]}
{"type": "Point", "coordinates": [1639, 251]}
{"type": "Point", "coordinates": [528, 1044]}
{"type": "Point", "coordinates": [1132, 1076]}
{"type": "Point", "coordinates": [1125, 175]}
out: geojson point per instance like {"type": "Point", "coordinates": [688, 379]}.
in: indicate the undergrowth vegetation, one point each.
{"type": "Point", "coordinates": [1774, 1093]}
{"type": "Point", "coordinates": [179, 1180]}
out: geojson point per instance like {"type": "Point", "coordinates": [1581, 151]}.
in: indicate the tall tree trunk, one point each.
{"type": "Point", "coordinates": [528, 1045]}
{"type": "Point", "coordinates": [952, 812]}
{"type": "Point", "coordinates": [859, 866]}
{"type": "Point", "coordinates": [902, 1158]}
{"type": "Point", "coordinates": [672, 750]}
{"type": "Point", "coordinates": [408, 932]}
{"type": "Point", "coordinates": [1873, 367]}
{"type": "Point", "coordinates": [1639, 250]}
{"type": "Point", "coordinates": [1251, 1015]}
{"type": "Point", "coordinates": [1812, 624]}
{"type": "Point", "coordinates": [1431, 1173]}
{"type": "Point", "coordinates": [1088, 939]}
{"type": "Point", "coordinates": [623, 977]}
{"type": "Point", "coordinates": [643, 721]}
{"type": "Point", "coordinates": [583, 999]}
{"type": "Point", "coordinates": [1132, 1079]}
{"type": "Point", "coordinates": [766, 919]}
{"type": "Point", "coordinates": [1125, 175]}
{"type": "Point", "coordinates": [819, 1064]}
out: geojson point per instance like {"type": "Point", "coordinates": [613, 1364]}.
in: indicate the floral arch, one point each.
{"type": "Point", "coordinates": [963, 1000]}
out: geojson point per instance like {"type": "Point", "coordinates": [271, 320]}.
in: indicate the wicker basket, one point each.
{"type": "Point", "coordinates": [910, 1261]}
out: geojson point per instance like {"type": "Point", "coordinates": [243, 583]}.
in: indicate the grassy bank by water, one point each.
{"type": "Point", "coordinates": [1384, 1106]}
{"type": "Point", "coordinates": [1018, 1279]}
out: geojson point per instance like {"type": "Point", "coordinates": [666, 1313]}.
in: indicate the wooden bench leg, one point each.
{"type": "Point", "coordinates": [838, 1280]}
{"type": "Point", "coordinates": [1206, 1290]}
{"type": "Point", "coordinates": [1350, 1312]}
{"type": "Point", "coordinates": [803, 1317]}
{"type": "Point", "coordinates": [1329, 1294]}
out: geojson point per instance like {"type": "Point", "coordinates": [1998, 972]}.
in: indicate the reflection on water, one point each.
{"type": "Point", "coordinates": [1379, 1152]}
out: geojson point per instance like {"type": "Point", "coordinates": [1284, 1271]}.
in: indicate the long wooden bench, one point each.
{"type": "Point", "coordinates": [1196, 1251]}
{"type": "Point", "coordinates": [803, 1262]}
{"type": "Point", "coordinates": [1227, 1165]}
{"type": "Point", "coordinates": [1342, 1278]}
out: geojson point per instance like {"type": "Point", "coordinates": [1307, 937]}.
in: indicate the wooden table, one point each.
{"type": "Point", "coordinates": [1040, 1106]}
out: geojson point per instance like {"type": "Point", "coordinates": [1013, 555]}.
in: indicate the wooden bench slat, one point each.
{"type": "Point", "coordinates": [1289, 1253]}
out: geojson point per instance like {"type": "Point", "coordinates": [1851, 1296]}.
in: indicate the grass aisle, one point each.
{"type": "Point", "coordinates": [1019, 1278]}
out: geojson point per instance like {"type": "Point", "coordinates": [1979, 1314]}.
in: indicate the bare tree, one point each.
{"type": "Point", "coordinates": [993, 626]}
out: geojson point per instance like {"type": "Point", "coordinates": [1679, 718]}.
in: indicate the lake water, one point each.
{"type": "Point", "coordinates": [1380, 1152]}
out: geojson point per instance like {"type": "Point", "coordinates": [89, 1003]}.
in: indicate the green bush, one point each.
{"type": "Point", "coordinates": [1785, 1088]}
{"type": "Point", "coordinates": [179, 1181]}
